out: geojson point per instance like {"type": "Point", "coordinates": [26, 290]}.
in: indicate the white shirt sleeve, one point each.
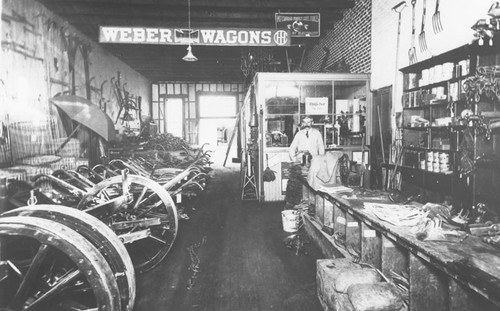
{"type": "Point", "coordinates": [321, 145]}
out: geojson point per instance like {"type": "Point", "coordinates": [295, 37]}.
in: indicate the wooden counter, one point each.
{"type": "Point", "coordinates": [442, 275]}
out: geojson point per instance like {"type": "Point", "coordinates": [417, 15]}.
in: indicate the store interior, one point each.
{"type": "Point", "coordinates": [250, 155]}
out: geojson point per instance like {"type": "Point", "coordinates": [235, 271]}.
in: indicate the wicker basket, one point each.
{"type": "Point", "coordinates": [29, 139]}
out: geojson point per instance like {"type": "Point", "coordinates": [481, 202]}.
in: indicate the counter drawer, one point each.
{"type": "Point", "coordinates": [438, 182]}
{"type": "Point", "coordinates": [412, 175]}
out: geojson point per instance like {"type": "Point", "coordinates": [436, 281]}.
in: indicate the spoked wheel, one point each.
{"type": "Point", "coordinates": [99, 235]}
{"type": "Point", "coordinates": [52, 267]}
{"type": "Point", "coordinates": [140, 212]}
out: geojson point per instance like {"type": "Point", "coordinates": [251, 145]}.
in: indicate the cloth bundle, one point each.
{"type": "Point", "coordinates": [324, 170]}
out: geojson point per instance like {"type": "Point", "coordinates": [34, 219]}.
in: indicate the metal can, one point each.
{"type": "Point", "coordinates": [435, 167]}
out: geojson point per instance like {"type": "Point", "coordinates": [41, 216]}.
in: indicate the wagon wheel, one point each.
{"type": "Point", "coordinates": [99, 235]}
{"type": "Point", "coordinates": [53, 268]}
{"type": "Point", "coordinates": [141, 213]}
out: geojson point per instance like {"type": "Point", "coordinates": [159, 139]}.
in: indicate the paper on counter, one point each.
{"type": "Point", "coordinates": [396, 214]}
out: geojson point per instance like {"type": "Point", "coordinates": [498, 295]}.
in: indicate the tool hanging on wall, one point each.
{"type": "Point", "coordinates": [412, 53]}
{"type": "Point", "coordinates": [421, 36]}
{"type": "Point", "coordinates": [395, 90]}
{"type": "Point", "coordinates": [125, 101]}
{"type": "Point", "coordinates": [436, 19]}
{"type": "Point", "coordinates": [269, 174]}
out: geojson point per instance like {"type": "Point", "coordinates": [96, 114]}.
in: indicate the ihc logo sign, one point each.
{"type": "Point", "coordinates": [281, 37]}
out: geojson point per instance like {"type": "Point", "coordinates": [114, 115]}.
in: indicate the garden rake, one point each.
{"type": "Point", "coordinates": [412, 53]}
{"type": "Point", "coordinates": [421, 36]}
{"type": "Point", "coordinates": [436, 19]}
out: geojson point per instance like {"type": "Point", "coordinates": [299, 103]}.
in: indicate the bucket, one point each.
{"type": "Point", "coordinates": [291, 220]}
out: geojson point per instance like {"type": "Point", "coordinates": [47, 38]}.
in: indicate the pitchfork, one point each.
{"type": "Point", "coordinates": [412, 53]}
{"type": "Point", "coordinates": [436, 19]}
{"type": "Point", "coordinates": [421, 36]}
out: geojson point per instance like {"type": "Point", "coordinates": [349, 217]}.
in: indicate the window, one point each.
{"type": "Point", "coordinates": [217, 106]}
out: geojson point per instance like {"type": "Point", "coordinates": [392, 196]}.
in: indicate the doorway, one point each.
{"type": "Point", "coordinates": [174, 119]}
{"type": "Point", "coordinates": [217, 114]}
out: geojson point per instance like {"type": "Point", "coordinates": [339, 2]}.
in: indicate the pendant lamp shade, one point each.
{"type": "Point", "coordinates": [189, 56]}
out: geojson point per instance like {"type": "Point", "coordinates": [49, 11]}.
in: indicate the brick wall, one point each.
{"type": "Point", "coordinates": [349, 41]}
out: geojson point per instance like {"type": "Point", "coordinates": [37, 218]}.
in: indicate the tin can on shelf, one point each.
{"type": "Point", "coordinates": [429, 165]}
{"type": "Point", "coordinates": [422, 164]}
{"type": "Point", "coordinates": [444, 167]}
{"type": "Point", "coordinates": [444, 157]}
{"type": "Point", "coordinates": [435, 167]}
{"type": "Point", "coordinates": [430, 156]}
{"type": "Point", "coordinates": [436, 156]}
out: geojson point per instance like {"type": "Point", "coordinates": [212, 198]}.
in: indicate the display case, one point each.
{"type": "Point", "coordinates": [339, 105]}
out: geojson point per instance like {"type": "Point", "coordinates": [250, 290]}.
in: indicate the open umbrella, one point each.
{"type": "Point", "coordinates": [82, 110]}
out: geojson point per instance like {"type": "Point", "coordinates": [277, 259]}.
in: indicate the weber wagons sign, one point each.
{"type": "Point", "coordinates": [218, 36]}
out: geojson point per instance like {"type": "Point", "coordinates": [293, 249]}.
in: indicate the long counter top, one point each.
{"type": "Point", "coordinates": [470, 262]}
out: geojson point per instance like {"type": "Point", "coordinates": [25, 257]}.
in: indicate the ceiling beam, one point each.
{"type": "Point", "coordinates": [266, 21]}
{"type": "Point", "coordinates": [168, 14]}
{"type": "Point", "coordinates": [198, 4]}
{"type": "Point", "coordinates": [178, 23]}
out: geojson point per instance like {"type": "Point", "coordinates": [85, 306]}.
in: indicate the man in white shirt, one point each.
{"type": "Point", "coordinates": [307, 140]}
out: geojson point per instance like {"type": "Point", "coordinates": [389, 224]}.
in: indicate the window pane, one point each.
{"type": "Point", "coordinates": [217, 106]}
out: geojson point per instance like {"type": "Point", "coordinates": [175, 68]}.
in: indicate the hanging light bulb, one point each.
{"type": "Point", "coordinates": [189, 56]}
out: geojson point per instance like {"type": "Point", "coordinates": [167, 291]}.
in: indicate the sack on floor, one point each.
{"type": "Point", "coordinates": [375, 297]}
{"type": "Point", "coordinates": [352, 276]}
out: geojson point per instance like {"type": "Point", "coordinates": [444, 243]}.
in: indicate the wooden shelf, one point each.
{"type": "Point", "coordinates": [350, 114]}
{"type": "Point", "coordinates": [450, 174]}
{"type": "Point", "coordinates": [427, 86]}
{"type": "Point", "coordinates": [440, 104]}
{"type": "Point", "coordinates": [423, 128]}
{"type": "Point", "coordinates": [454, 55]}
{"type": "Point", "coordinates": [461, 53]}
{"type": "Point", "coordinates": [436, 84]}
{"type": "Point", "coordinates": [429, 149]}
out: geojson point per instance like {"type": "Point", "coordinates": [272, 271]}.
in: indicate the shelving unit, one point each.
{"type": "Point", "coordinates": [432, 98]}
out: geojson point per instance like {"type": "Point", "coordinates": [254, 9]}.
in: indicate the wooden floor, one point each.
{"type": "Point", "coordinates": [243, 262]}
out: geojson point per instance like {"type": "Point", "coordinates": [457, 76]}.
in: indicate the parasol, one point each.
{"type": "Point", "coordinates": [82, 110]}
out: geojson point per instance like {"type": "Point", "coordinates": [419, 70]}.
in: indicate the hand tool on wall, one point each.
{"type": "Point", "coordinates": [436, 19]}
{"type": "Point", "coordinates": [412, 53]}
{"type": "Point", "coordinates": [123, 99]}
{"type": "Point", "coordinates": [421, 36]}
{"type": "Point", "coordinates": [398, 8]}
{"type": "Point", "coordinates": [381, 134]}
